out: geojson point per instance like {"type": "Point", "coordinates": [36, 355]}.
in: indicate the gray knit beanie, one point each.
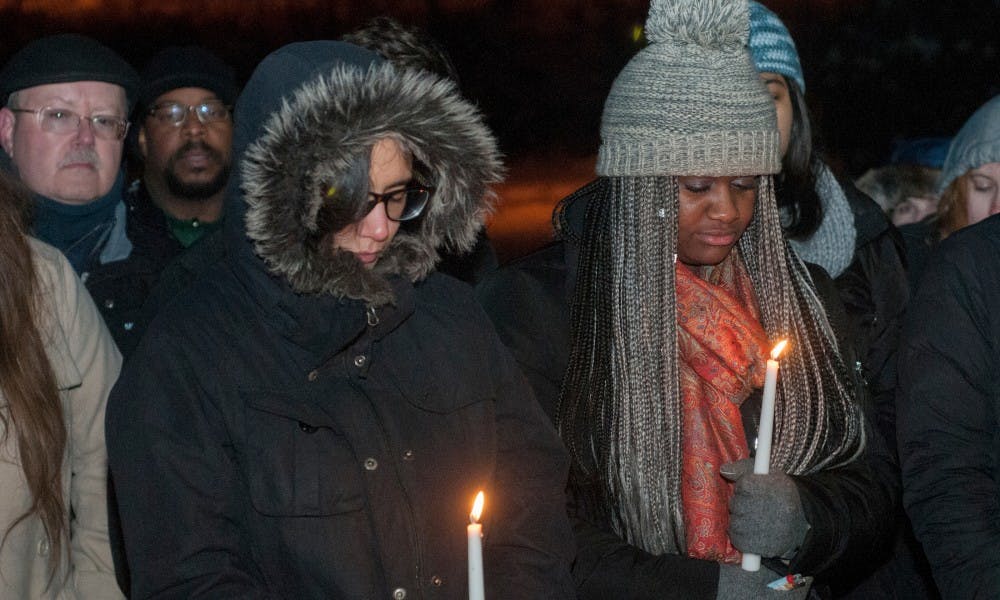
{"type": "Point", "coordinates": [976, 144]}
{"type": "Point", "coordinates": [691, 102]}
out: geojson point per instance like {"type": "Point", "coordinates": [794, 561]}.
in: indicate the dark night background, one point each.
{"type": "Point", "coordinates": [876, 70]}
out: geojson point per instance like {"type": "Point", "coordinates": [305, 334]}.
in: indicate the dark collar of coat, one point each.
{"type": "Point", "coordinates": [320, 324]}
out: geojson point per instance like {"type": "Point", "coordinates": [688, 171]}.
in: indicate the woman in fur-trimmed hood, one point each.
{"type": "Point", "coordinates": [335, 121]}
{"type": "Point", "coordinates": [320, 408]}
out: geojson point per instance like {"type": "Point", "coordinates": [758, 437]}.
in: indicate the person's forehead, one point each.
{"type": "Point", "coordinates": [186, 95]}
{"type": "Point", "coordinates": [990, 168]}
{"type": "Point", "coordinates": [98, 94]}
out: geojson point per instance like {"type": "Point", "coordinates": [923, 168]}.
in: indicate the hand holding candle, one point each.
{"type": "Point", "coordinates": [762, 460]}
{"type": "Point", "coordinates": [474, 531]}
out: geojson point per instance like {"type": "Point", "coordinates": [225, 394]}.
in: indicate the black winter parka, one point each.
{"type": "Point", "coordinates": [297, 425]}
{"type": "Point", "coordinates": [949, 412]}
{"type": "Point", "coordinates": [308, 453]}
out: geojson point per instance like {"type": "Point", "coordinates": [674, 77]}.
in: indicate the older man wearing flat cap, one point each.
{"type": "Point", "coordinates": [63, 126]}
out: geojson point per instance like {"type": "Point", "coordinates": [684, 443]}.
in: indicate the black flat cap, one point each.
{"type": "Point", "coordinates": [66, 58]}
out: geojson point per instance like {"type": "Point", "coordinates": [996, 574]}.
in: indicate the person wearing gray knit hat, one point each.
{"type": "Point", "coordinates": [970, 178]}
{"type": "Point", "coordinates": [676, 279]}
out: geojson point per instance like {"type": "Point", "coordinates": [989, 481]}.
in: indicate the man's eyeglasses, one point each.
{"type": "Point", "coordinates": [175, 113]}
{"type": "Point", "coordinates": [402, 205]}
{"type": "Point", "coordinates": [63, 122]}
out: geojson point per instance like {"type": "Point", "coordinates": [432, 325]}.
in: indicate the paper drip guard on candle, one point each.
{"type": "Point", "coordinates": [762, 460]}
{"type": "Point", "coordinates": [477, 589]}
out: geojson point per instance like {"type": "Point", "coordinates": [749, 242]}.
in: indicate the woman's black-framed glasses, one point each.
{"type": "Point", "coordinates": [402, 205]}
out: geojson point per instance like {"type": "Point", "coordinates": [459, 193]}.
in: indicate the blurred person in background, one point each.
{"type": "Point", "coordinates": [829, 222]}
{"type": "Point", "coordinates": [184, 140]}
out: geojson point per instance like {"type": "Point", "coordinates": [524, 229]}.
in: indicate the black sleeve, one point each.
{"type": "Point", "coordinates": [608, 567]}
{"type": "Point", "coordinates": [528, 305]}
{"type": "Point", "coordinates": [164, 433]}
{"type": "Point", "coordinates": [530, 548]}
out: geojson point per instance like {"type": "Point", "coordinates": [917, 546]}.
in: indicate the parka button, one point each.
{"type": "Point", "coordinates": [109, 303]}
{"type": "Point", "coordinates": [408, 455]}
{"type": "Point", "coordinates": [399, 594]}
{"type": "Point", "coordinates": [312, 375]}
{"type": "Point", "coordinates": [371, 464]}
{"type": "Point", "coordinates": [43, 547]}
{"type": "Point", "coordinates": [359, 360]}
{"type": "Point", "coordinates": [437, 581]}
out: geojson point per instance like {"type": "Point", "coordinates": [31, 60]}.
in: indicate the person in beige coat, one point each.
{"type": "Point", "coordinates": [57, 365]}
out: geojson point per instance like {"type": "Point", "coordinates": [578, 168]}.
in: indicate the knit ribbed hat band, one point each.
{"type": "Point", "coordinates": [691, 102]}
{"type": "Point", "coordinates": [715, 154]}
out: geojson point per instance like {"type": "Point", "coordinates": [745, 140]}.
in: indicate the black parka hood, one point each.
{"type": "Point", "coordinates": [300, 126]}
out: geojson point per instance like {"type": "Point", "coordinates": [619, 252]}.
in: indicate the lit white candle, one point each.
{"type": "Point", "coordinates": [762, 460]}
{"type": "Point", "coordinates": [477, 590]}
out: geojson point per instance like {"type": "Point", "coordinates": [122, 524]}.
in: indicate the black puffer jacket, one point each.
{"type": "Point", "coordinates": [296, 426]}
{"type": "Point", "coordinates": [529, 303]}
{"type": "Point", "coordinates": [949, 412]}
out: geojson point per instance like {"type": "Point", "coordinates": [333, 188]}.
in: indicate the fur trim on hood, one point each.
{"type": "Point", "coordinates": [323, 127]}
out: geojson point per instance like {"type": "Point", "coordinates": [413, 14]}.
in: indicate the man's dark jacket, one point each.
{"type": "Point", "coordinates": [121, 288]}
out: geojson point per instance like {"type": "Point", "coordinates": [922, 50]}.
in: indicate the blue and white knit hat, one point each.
{"type": "Point", "coordinates": [771, 46]}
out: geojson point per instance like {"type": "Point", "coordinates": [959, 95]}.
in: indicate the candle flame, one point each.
{"type": "Point", "coordinates": [778, 349]}
{"type": "Point", "coordinates": [477, 507]}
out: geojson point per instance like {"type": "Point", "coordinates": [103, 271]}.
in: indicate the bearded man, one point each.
{"type": "Point", "coordinates": [184, 140]}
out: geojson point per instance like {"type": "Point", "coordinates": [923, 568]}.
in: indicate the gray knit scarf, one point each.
{"type": "Point", "coordinates": [832, 245]}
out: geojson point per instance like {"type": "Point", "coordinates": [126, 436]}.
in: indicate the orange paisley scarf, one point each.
{"type": "Point", "coordinates": [722, 348]}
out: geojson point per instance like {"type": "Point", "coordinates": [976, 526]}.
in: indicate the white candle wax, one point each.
{"type": "Point", "coordinates": [474, 531]}
{"type": "Point", "coordinates": [765, 430]}
{"type": "Point", "coordinates": [476, 587]}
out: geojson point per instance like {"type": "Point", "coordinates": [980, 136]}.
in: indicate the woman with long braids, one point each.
{"type": "Point", "coordinates": [57, 365]}
{"type": "Point", "coordinates": [677, 280]}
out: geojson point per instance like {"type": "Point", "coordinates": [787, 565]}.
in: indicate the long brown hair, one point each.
{"type": "Point", "coordinates": [33, 411]}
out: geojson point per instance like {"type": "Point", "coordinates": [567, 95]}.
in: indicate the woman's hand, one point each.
{"type": "Point", "coordinates": [765, 513]}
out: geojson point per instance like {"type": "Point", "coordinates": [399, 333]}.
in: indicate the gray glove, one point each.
{"type": "Point", "coordinates": [765, 513]}
{"type": "Point", "coordinates": [737, 584]}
